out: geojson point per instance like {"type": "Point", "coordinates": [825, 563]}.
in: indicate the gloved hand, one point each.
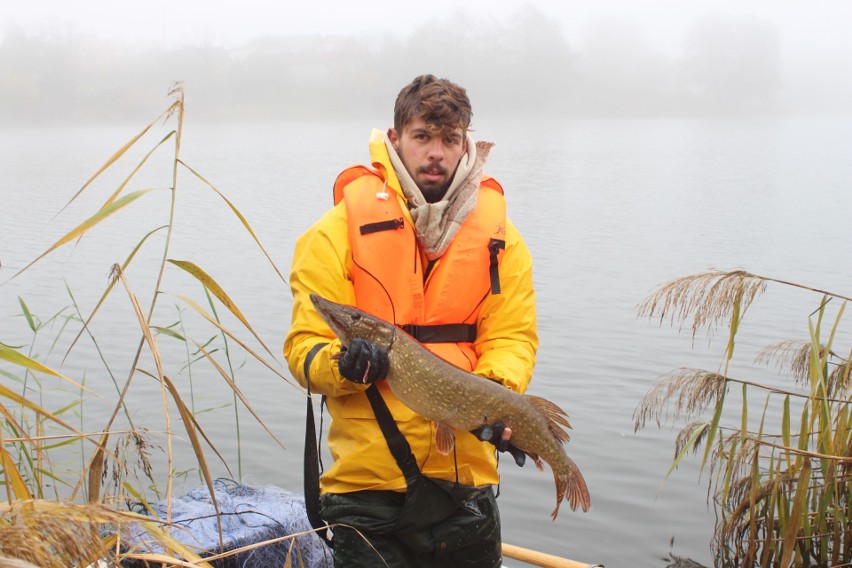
{"type": "Point", "coordinates": [363, 362]}
{"type": "Point", "coordinates": [494, 433]}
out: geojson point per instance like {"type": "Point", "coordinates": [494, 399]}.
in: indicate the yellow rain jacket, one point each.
{"type": "Point", "coordinates": [504, 348]}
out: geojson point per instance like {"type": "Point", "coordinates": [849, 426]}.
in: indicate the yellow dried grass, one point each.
{"type": "Point", "coordinates": [54, 533]}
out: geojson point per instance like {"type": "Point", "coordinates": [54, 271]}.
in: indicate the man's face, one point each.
{"type": "Point", "coordinates": [430, 156]}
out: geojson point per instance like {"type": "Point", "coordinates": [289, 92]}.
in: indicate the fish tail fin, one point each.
{"type": "Point", "coordinates": [571, 487]}
{"type": "Point", "coordinates": [557, 419]}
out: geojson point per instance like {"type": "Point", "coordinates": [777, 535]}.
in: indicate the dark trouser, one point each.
{"type": "Point", "coordinates": [434, 524]}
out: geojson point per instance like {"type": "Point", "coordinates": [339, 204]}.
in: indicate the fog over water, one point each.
{"type": "Point", "coordinates": [96, 61]}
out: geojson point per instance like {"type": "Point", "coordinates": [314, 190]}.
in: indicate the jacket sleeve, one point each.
{"type": "Point", "coordinates": [507, 338]}
{"type": "Point", "coordinates": [320, 262]}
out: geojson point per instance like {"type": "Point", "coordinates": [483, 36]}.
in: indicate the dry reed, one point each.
{"type": "Point", "coordinates": [55, 533]}
{"type": "Point", "coordinates": [64, 532]}
{"type": "Point", "coordinates": [708, 297]}
{"type": "Point", "coordinates": [784, 492]}
{"type": "Point", "coordinates": [690, 390]}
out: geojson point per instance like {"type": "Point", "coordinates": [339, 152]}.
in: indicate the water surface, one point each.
{"type": "Point", "coordinates": [609, 208]}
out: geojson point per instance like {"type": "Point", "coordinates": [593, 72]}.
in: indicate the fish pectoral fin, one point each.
{"type": "Point", "coordinates": [445, 438]}
{"type": "Point", "coordinates": [539, 463]}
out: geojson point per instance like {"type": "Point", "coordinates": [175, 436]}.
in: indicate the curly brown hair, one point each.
{"type": "Point", "coordinates": [442, 104]}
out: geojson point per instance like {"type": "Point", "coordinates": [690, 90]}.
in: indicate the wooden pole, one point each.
{"type": "Point", "coordinates": [540, 558]}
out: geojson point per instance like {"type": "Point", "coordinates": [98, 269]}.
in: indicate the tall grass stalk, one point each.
{"type": "Point", "coordinates": [118, 469]}
{"type": "Point", "coordinates": [784, 489]}
{"type": "Point", "coordinates": [227, 351]}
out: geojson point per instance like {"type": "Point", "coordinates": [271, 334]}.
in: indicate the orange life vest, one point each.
{"type": "Point", "coordinates": [387, 272]}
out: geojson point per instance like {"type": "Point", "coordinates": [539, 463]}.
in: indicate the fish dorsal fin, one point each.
{"type": "Point", "coordinates": [557, 419]}
{"type": "Point", "coordinates": [445, 438]}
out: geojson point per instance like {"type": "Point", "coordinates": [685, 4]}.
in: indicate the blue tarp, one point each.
{"type": "Point", "coordinates": [248, 515]}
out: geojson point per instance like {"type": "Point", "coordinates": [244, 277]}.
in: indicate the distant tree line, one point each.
{"type": "Point", "coordinates": [522, 66]}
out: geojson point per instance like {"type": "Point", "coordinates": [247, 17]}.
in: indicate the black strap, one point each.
{"type": "Point", "coordinates": [311, 465]}
{"type": "Point", "coordinates": [494, 247]}
{"type": "Point", "coordinates": [442, 333]}
{"type": "Point", "coordinates": [397, 443]}
{"type": "Point", "coordinates": [389, 225]}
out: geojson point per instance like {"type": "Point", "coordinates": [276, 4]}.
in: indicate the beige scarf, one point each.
{"type": "Point", "coordinates": [435, 224]}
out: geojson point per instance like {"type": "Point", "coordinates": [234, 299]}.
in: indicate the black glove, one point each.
{"type": "Point", "coordinates": [363, 362]}
{"type": "Point", "coordinates": [494, 433]}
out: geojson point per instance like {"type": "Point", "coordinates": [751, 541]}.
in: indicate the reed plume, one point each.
{"type": "Point", "coordinates": [707, 297]}
{"type": "Point", "coordinates": [690, 391]}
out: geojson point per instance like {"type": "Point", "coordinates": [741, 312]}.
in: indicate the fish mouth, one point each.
{"type": "Point", "coordinates": [325, 309]}
{"type": "Point", "coordinates": [322, 306]}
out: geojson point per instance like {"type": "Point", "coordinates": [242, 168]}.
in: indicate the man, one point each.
{"type": "Point", "coordinates": [420, 239]}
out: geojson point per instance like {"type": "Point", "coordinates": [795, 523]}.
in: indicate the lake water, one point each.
{"type": "Point", "coordinates": [609, 208]}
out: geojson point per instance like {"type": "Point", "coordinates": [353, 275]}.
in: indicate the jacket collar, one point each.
{"type": "Point", "coordinates": [381, 161]}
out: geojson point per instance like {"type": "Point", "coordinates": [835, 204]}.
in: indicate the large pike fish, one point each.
{"type": "Point", "coordinates": [457, 400]}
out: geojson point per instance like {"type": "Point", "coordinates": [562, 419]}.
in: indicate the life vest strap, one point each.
{"type": "Point", "coordinates": [313, 461]}
{"type": "Point", "coordinates": [397, 444]}
{"type": "Point", "coordinates": [494, 247]}
{"type": "Point", "coordinates": [389, 225]}
{"type": "Point", "coordinates": [442, 333]}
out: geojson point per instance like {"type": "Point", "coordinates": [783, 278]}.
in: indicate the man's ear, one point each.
{"type": "Point", "coordinates": [393, 136]}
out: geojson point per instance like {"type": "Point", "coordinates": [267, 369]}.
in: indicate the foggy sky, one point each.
{"type": "Point", "coordinates": [610, 56]}
{"type": "Point", "coordinates": [816, 25]}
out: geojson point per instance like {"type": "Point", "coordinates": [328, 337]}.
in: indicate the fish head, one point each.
{"type": "Point", "coordinates": [348, 323]}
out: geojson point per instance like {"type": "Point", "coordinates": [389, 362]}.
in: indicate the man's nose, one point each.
{"type": "Point", "coordinates": [435, 151]}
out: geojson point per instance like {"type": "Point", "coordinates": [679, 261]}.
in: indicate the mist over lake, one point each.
{"type": "Point", "coordinates": [533, 60]}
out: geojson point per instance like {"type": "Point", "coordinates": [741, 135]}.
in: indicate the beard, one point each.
{"type": "Point", "coordinates": [433, 190]}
